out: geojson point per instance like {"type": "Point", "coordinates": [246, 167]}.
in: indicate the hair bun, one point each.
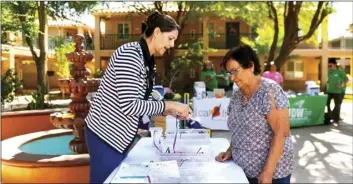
{"type": "Point", "coordinates": [153, 18]}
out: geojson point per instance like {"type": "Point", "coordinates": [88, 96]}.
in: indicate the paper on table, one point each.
{"type": "Point", "coordinates": [127, 170]}
{"type": "Point", "coordinates": [132, 173]}
{"type": "Point", "coordinates": [130, 180]}
{"type": "Point", "coordinates": [165, 169]}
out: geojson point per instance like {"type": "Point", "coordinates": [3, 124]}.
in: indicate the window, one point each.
{"type": "Point", "coordinates": [336, 44]}
{"type": "Point", "coordinates": [123, 31]}
{"type": "Point", "coordinates": [294, 70]}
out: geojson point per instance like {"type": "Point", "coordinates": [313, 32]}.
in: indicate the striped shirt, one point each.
{"type": "Point", "coordinates": [118, 103]}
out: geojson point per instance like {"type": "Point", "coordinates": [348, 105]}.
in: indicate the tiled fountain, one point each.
{"type": "Point", "coordinates": [58, 155]}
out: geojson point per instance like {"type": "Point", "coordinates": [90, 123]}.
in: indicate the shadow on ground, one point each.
{"type": "Point", "coordinates": [323, 154]}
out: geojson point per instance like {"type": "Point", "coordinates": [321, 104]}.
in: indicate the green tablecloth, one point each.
{"type": "Point", "coordinates": [307, 110]}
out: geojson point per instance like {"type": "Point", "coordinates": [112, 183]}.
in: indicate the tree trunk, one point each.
{"type": "Point", "coordinates": [290, 35]}
{"type": "Point", "coordinates": [40, 83]}
{"type": "Point", "coordinates": [273, 15]}
{"type": "Point", "coordinates": [168, 58]}
{"type": "Point", "coordinates": [291, 38]}
{"type": "Point", "coordinates": [283, 55]}
{"type": "Point", "coordinates": [42, 55]}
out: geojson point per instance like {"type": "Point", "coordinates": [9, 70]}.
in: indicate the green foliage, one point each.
{"type": "Point", "coordinates": [10, 15]}
{"type": "Point", "coordinates": [57, 41]}
{"type": "Point", "coordinates": [34, 101]}
{"type": "Point", "coordinates": [62, 63]}
{"type": "Point", "coordinates": [188, 12]}
{"type": "Point", "coordinates": [67, 9]}
{"type": "Point", "coordinates": [23, 15]}
{"type": "Point", "coordinates": [265, 25]}
{"type": "Point", "coordinates": [98, 74]}
{"type": "Point", "coordinates": [9, 84]}
{"type": "Point", "coordinates": [180, 66]}
{"type": "Point", "coordinates": [30, 17]}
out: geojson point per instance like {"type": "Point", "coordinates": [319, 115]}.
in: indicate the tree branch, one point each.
{"type": "Point", "coordinates": [298, 5]}
{"type": "Point", "coordinates": [316, 21]}
{"type": "Point", "coordinates": [23, 20]}
{"type": "Point", "coordinates": [41, 34]}
{"type": "Point", "coordinates": [287, 18]}
{"type": "Point", "coordinates": [268, 3]}
{"type": "Point", "coordinates": [276, 31]}
{"type": "Point", "coordinates": [180, 9]}
{"type": "Point", "coordinates": [184, 19]}
{"type": "Point", "coordinates": [158, 5]}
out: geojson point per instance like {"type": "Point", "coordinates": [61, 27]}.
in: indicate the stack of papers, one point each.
{"type": "Point", "coordinates": [155, 172]}
{"type": "Point", "coordinates": [164, 172]}
{"type": "Point", "coordinates": [132, 173]}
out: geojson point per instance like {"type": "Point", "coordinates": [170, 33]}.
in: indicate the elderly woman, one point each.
{"type": "Point", "coordinates": [258, 120]}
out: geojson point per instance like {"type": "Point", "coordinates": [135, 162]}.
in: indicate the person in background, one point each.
{"type": "Point", "coordinates": [258, 119]}
{"type": "Point", "coordinates": [337, 80]}
{"type": "Point", "coordinates": [345, 86]}
{"type": "Point", "coordinates": [208, 75]}
{"type": "Point", "coordinates": [223, 79]}
{"type": "Point", "coordinates": [122, 100]}
{"type": "Point", "coordinates": [273, 74]}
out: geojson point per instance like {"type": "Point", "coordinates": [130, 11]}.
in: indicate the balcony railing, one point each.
{"type": "Point", "coordinates": [56, 41]}
{"type": "Point", "coordinates": [216, 41]}
{"type": "Point", "coordinates": [113, 41]}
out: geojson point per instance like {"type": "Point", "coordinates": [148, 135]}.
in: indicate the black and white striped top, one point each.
{"type": "Point", "coordinates": [118, 103]}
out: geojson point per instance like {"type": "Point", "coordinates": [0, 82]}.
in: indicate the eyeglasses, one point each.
{"type": "Point", "coordinates": [234, 71]}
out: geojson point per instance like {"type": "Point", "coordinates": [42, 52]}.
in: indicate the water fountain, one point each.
{"type": "Point", "coordinates": [79, 86]}
{"type": "Point", "coordinates": [58, 155]}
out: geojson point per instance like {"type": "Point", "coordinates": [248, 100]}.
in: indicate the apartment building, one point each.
{"type": "Point", "coordinates": [16, 54]}
{"type": "Point", "coordinates": [116, 26]}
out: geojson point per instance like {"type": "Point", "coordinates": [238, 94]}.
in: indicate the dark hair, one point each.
{"type": "Point", "coordinates": [332, 61]}
{"type": "Point", "coordinates": [245, 56]}
{"type": "Point", "coordinates": [165, 22]}
{"type": "Point", "coordinates": [204, 68]}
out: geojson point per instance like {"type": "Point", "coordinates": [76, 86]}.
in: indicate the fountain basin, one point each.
{"type": "Point", "coordinates": [43, 157]}
{"type": "Point", "coordinates": [15, 123]}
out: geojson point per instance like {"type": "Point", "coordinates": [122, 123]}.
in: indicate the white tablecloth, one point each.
{"type": "Point", "coordinates": [203, 109]}
{"type": "Point", "coordinates": [226, 172]}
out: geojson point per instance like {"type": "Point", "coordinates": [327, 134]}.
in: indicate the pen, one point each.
{"type": "Point", "coordinates": [131, 177]}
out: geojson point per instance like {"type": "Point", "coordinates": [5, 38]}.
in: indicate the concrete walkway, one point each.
{"type": "Point", "coordinates": [324, 153]}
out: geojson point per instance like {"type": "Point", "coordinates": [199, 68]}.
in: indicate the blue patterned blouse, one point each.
{"type": "Point", "coordinates": [252, 135]}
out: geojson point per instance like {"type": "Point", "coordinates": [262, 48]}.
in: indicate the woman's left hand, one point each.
{"type": "Point", "coordinates": [265, 177]}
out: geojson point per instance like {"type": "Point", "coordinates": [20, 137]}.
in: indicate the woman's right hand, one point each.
{"type": "Point", "coordinates": [177, 109]}
{"type": "Point", "coordinates": [224, 156]}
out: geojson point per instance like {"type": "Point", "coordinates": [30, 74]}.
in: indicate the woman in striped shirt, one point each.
{"type": "Point", "coordinates": [122, 98]}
